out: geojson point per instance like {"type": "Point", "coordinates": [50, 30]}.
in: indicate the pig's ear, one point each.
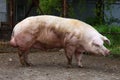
{"type": "Point", "coordinates": [106, 40]}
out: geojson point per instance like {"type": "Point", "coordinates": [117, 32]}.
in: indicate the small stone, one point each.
{"type": "Point", "coordinates": [10, 59]}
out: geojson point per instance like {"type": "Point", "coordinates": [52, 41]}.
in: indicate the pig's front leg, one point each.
{"type": "Point", "coordinates": [23, 56]}
{"type": "Point", "coordinates": [69, 51]}
{"type": "Point", "coordinates": [78, 56]}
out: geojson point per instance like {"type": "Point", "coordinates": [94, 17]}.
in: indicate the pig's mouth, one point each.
{"type": "Point", "coordinates": [106, 53]}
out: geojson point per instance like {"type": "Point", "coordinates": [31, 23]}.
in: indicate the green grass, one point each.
{"type": "Point", "coordinates": [113, 33]}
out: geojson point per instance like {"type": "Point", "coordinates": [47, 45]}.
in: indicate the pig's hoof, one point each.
{"type": "Point", "coordinates": [69, 66]}
{"type": "Point", "coordinates": [26, 64]}
{"type": "Point", "coordinates": [80, 66]}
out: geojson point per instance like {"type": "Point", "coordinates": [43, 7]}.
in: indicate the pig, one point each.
{"type": "Point", "coordinates": [47, 32]}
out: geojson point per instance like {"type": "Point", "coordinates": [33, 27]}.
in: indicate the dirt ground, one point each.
{"type": "Point", "coordinates": [52, 66]}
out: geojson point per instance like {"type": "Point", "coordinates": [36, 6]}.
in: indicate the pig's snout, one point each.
{"type": "Point", "coordinates": [107, 52]}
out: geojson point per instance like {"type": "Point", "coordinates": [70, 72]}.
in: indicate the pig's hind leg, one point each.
{"type": "Point", "coordinates": [23, 56]}
{"type": "Point", "coordinates": [24, 45]}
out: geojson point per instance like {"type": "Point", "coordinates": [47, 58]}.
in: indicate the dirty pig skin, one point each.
{"type": "Point", "coordinates": [48, 32]}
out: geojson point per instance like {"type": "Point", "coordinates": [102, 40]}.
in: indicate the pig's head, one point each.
{"type": "Point", "coordinates": [97, 46]}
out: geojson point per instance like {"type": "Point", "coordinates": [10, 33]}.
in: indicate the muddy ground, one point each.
{"type": "Point", "coordinates": [52, 66]}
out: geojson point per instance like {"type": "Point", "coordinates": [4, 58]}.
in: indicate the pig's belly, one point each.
{"type": "Point", "coordinates": [44, 46]}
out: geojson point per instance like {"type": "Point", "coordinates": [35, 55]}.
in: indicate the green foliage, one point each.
{"type": "Point", "coordinates": [113, 33]}
{"type": "Point", "coordinates": [55, 7]}
{"type": "Point", "coordinates": [108, 29]}
{"type": "Point", "coordinates": [50, 6]}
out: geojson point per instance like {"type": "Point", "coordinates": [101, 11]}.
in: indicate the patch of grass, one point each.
{"type": "Point", "coordinates": [108, 29]}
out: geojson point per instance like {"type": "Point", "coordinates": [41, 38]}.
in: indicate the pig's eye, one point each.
{"type": "Point", "coordinates": [97, 45]}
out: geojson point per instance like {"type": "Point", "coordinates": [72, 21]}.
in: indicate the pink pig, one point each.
{"type": "Point", "coordinates": [47, 32]}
